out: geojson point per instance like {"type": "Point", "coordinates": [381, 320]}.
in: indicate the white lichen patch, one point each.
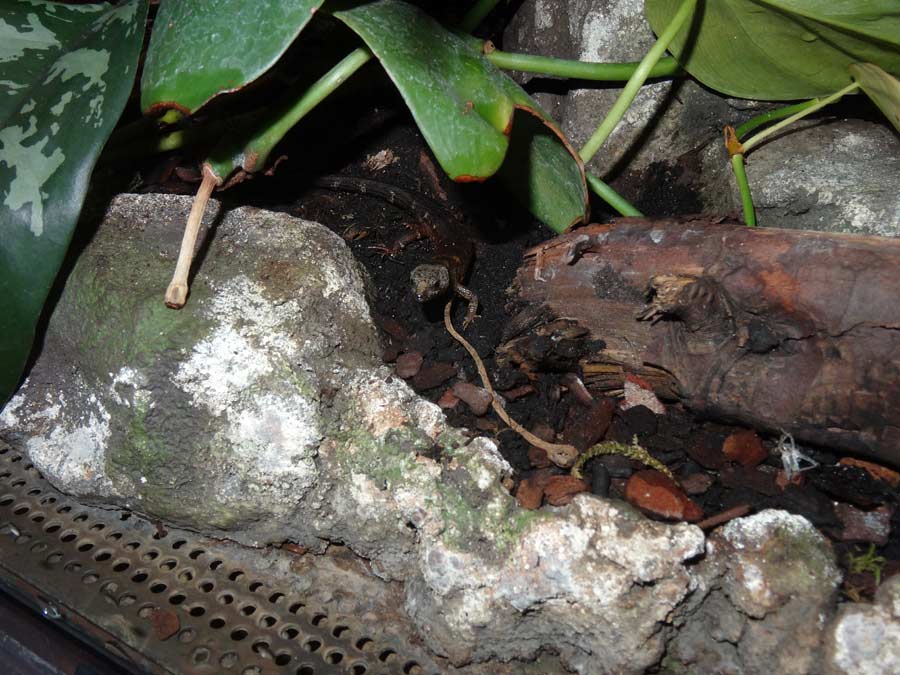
{"type": "Point", "coordinates": [249, 342]}
{"type": "Point", "coordinates": [67, 447]}
{"type": "Point", "coordinates": [279, 433]}
{"type": "Point", "coordinates": [753, 531]}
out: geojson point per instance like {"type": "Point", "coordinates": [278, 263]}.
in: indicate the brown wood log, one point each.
{"type": "Point", "coordinates": [782, 330]}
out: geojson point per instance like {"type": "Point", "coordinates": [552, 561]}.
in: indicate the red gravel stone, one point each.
{"type": "Point", "coordinates": [408, 364]}
{"type": "Point", "coordinates": [706, 450]}
{"type": "Point", "coordinates": [518, 392]}
{"type": "Point", "coordinates": [433, 376]}
{"type": "Point", "coordinates": [864, 526]}
{"type": "Point", "coordinates": [697, 483]}
{"type": "Point", "coordinates": [586, 426]}
{"type": "Point", "coordinates": [745, 448]}
{"type": "Point", "coordinates": [530, 492]}
{"type": "Point", "coordinates": [657, 494]}
{"type": "Point", "coordinates": [477, 398]}
{"type": "Point", "coordinates": [537, 457]}
{"type": "Point", "coordinates": [448, 400]}
{"type": "Point", "coordinates": [762, 482]}
{"type": "Point", "coordinates": [876, 470]}
{"type": "Point", "coordinates": [560, 490]}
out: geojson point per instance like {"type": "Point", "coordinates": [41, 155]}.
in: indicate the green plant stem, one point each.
{"type": "Point", "coordinates": [476, 14]}
{"type": "Point", "coordinates": [816, 104]}
{"type": "Point", "coordinates": [611, 197]}
{"type": "Point", "coordinates": [582, 70]}
{"type": "Point", "coordinates": [277, 127]}
{"type": "Point", "coordinates": [770, 116]}
{"type": "Point", "coordinates": [740, 175]}
{"type": "Point", "coordinates": [636, 81]}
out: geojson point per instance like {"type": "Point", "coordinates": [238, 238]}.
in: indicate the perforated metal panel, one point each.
{"type": "Point", "coordinates": [165, 601]}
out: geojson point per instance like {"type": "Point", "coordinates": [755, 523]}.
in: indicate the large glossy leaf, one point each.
{"type": "Point", "coordinates": [782, 49]}
{"type": "Point", "coordinates": [201, 49]}
{"type": "Point", "coordinates": [464, 107]}
{"type": "Point", "coordinates": [65, 72]}
{"type": "Point", "coordinates": [881, 87]}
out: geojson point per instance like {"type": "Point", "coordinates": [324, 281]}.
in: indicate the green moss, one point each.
{"type": "Point", "coordinates": [802, 558]}
{"type": "Point", "coordinates": [473, 517]}
{"type": "Point", "coordinates": [106, 321]}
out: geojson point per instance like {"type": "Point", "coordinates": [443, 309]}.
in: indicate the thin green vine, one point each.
{"type": "Point", "coordinates": [636, 81]}
{"type": "Point", "coordinates": [771, 116]}
{"type": "Point", "coordinates": [610, 196]}
{"type": "Point", "coordinates": [581, 70]}
{"type": "Point", "coordinates": [816, 104]}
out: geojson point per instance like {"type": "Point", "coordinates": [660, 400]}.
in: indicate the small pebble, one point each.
{"type": "Point", "coordinates": [697, 483]}
{"type": "Point", "coordinates": [657, 494]}
{"type": "Point", "coordinates": [448, 400]}
{"type": "Point", "coordinates": [433, 376]}
{"type": "Point", "coordinates": [408, 364]}
{"type": "Point", "coordinates": [745, 448]}
{"type": "Point", "coordinates": [876, 470]}
{"type": "Point", "coordinates": [617, 465]}
{"type": "Point", "coordinates": [600, 479]}
{"type": "Point", "coordinates": [641, 420]}
{"type": "Point", "coordinates": [560, 490]}
{"type": "Point", "coordinates": [518, 392]}
{"type": "Point", "coordinates": [864, 526]}
{"type": "Point", "coordinates": [530, 491]}
{"type": "Point", "coordinates": [477, 398]}
{"type": "Point", "coordinates": [761, 482]}
{"type": "Point", "coordinates": [706, 450]}
{"type": "Point", "coordinates": [638, 392]}
{"type": "Point", "coordinates": [537, 457]}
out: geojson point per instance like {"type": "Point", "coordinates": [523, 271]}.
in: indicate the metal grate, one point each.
{"type": "Point", "coordinates": [167, 602]}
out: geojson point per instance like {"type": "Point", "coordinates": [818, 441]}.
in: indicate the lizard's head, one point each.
{"type": "Point", "coordinates": [429, 281]}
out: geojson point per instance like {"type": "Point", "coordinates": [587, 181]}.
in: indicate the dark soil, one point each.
{"type": "Point", "coordinates": [501, 232]}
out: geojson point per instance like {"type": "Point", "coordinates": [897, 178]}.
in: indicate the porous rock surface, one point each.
{"type": "Point", "coordinates": [766, 590]}
{"type": "Point", "coordinates": [261, 412]}
{"type": "Point", "coordinates": [864, 639]}
{"type": "Point", "coordinates": [834, 175]}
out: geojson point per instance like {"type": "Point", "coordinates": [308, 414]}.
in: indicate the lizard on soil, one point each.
{"type": "Point", "coordinates": [453, 249]}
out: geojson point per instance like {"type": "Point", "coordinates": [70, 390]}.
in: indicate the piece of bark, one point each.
{"type": "Point", "coordinates": [775, 329]}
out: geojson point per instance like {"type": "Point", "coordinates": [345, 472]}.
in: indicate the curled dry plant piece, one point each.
{"type": "Point", "coordinates": [561, 454]}
{"type": "Point", "coordinates": [633, 451]}
{"type": "Point", "coordinates": [177, 292]}
{"type": "Point", "coordinates": [794, 461]}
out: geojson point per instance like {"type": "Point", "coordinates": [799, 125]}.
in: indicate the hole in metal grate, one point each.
{"type": "Point", "coordinates": [117, 563]}
{"type": "Point", "coordinates": [289, 632]}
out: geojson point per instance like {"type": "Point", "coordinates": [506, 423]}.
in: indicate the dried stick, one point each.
{"type": "Point", "coordinates": [560, 454]}
{"type": "Point", "coordinates": [176, 293]}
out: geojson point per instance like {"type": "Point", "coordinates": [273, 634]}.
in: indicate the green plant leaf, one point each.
{"type": "Point", "coordinates": [540, 172]}
{"type": "Point", "coordinates": [782, 49]}
{"type": "Point", "coordinates": [201, 49]}
{"type": "Point", "coordinates": [883, 88]}
{"type": "Point", "coordinates": [465, 106]}
{"type": "Point", "coordinates": [67, 71]}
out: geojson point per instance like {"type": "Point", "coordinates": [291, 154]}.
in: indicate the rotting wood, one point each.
{"type": "Point", "coordinates": [782, 330]}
